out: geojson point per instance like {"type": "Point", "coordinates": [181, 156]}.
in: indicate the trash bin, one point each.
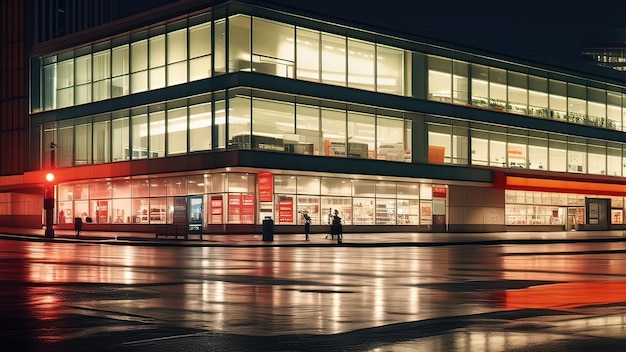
{"type": "Point", "coordinates": [78, 225]}
{"type": "Point", "coordinates": [268, 229]}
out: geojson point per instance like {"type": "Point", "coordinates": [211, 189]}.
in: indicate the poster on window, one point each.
{"type": "Point", "coordinates": [426, 213]}
{"type": "Point", "coordinates": [285, 210]}
{"type": "Point", "coordinates": [102, 211]}
{"type": "Point", "coordinates": [234, 208]}
{"type": "Point", "coordinates": [216, 209]}
{"type": "Point", "coordinates": [266, 187]}
{"type": "Point", "coordinates": [247, 209]}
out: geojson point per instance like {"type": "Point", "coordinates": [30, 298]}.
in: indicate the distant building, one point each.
{"type": "Point", "coordinates": [606, 48]}
{"type": "Point", "coordinates": [222, 113]}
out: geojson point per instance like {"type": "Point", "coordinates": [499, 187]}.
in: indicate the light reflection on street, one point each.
{"type": "Point", "coordinates": [270, 291]}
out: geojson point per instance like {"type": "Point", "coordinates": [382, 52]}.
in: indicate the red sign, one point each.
{"type": "Point", "coordinates": [216, 209]}
{"type": "Point", "coordinates": [439, 192]}
{"type": "Point", "coordinates": [102, 211]}
{"type": "Point", "coordinates": [266, 187]}
{"type": "Point", "coordinates": [234, 208]}
{"type": "Point", "coordinates": [285, 210]}
{"type": "Point", "coordinates": [247, 209]}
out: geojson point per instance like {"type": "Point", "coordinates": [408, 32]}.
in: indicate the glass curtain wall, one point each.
{"type": "Point", "coordinates": [182, 51]}
{"type": "Point", "coordinates": [497, 146]}
{"type": "Point", "coordinates": [524, 94]}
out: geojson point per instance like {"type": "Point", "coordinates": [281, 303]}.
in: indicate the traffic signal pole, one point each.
{"type": "Point", "coordinates": [48, 199]}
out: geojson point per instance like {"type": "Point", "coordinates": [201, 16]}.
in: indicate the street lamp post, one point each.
{"type": "Point", "coordinates": [48, 200]}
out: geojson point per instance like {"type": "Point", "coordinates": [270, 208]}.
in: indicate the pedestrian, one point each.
{"type": "Point", "coordinates": [307, 224]}
{"type": "Point", "coordinates": [330, 223]}
{"type": "Point", "coordinates": [336, 227]}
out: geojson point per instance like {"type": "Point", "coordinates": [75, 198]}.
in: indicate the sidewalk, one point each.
{"type": "Point", "coordinates": [318, 239]}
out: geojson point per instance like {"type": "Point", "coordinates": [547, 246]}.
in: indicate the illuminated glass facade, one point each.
{"type": "Point", "coordinates": [395, 133]}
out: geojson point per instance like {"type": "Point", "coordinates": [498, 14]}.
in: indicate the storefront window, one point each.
{"type": "Point", "coordinates": [310, 205]}
{"type": "Point", "coordinates": [285, 184]}
{"type": "Point", "coordinates": [342, 204]}
{"type": "Point", "coordinates": [120, 211]}
{"type": "Point", "coordinates": [408, 212]}
{"type": "Point", "coordinates": [176, 186]}
{"type": "Point", "coordinates": [308, 185]}
{"type": "Point", "coordinates": [158, 187]}
{"type": "Point", "coordinates": [364, 211]}
{"type": "Point", "coordinates": [196, 184]}
{"type": "Point", "coordinates": [385, 211]}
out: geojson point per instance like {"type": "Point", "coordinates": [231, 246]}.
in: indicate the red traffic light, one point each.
{"type": "Point", "coordinates": [49, 177]}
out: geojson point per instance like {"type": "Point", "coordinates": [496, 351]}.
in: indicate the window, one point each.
{"type": "Point", "coordinates": [200, 127]}
{"type": "Point", "coordinates": [139, 134]}
{"type": "Point", "coordinates": [273, 126]}
{"type": "Point", "coordinates": [156, 142]}
{"type": "Point", "coordinates": [308, 49]}
{"type": "Point", "coordinates": [439, 79]}
{"type": "Point", "coordinates": [390, 70]}
{"type": "Point", "coordinates": [239, 127]}
{"type": "Point", "coordinates": [273, 48]}
{"type": "Point", "coordinates": [334, 132]}
{"type": "Point", "coordinates": [390, 138]}
{"type": "Point", "coordinates": [120, 136]}
{"type": "Point", "coordinates": [177, 131]}
{"type": "Point", "coordinates": [480, 88]}
{"type": "Point", "coordinates": [239, 43]}
{"type": "Point", "coordinates": [361, 64]}
{"type": "Point", "coordinates": [361, 135]}
{"type": "Point", "coordinates": [176, 57]}
{"type": "Point", "coordinates": [333, 59]}
{"type": "Point", "coordinates": [200, 51]}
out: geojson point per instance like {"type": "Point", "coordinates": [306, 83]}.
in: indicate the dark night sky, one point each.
{"type": "Point", "coordinates": [546, 27]}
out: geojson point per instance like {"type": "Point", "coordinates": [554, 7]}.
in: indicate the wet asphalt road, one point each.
{"type": "Point", "coordinates": [69, 297]}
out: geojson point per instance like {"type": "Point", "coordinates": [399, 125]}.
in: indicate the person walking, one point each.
{"type": "Point", "coordinates": [307, 224]}
{"type": "Point", "coordinates": [336, 227]}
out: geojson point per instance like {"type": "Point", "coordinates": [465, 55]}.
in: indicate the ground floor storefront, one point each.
{"type": "Point", "coordinates": [239, 199]}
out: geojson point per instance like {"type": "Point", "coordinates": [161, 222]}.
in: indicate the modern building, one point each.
{"type": "Point", "coordinates": [220, 114]}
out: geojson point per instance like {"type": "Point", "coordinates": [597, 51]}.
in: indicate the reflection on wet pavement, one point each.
{"type": "Point", "coordinates": [392, 298]}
